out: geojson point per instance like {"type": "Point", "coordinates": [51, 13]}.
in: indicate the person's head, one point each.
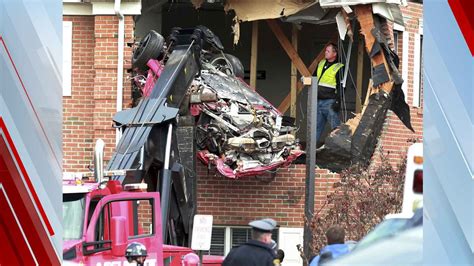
{"type": "Point", "coordinates": [335, 235]}
{"type": "Point", "coordinates": [262, 230]}
{"type": "Point", "coordinates": [262, 236]}
{"type": "Point", "coordinates": [330, 53]}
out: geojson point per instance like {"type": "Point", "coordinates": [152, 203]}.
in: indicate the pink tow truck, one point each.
{"type": "Point", "coordinates": [149, 198]}
{"type": "Point", "coordinates": [100, 222]}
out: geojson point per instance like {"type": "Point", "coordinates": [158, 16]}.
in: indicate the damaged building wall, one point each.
{"type": "Point", "coordinates": [81, 109]}
{"type": "Point", "coordinates": [274, 68]}
{"type": "Point", "coordinates": [92, 103]}
{"type": "Point", "coordinates": [395, 134]}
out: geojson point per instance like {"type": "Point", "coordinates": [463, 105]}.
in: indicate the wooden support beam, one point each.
{"type": "Point", "coordinates": [285, 43]}
{"type": "Point", "coordinates": [369, 92]}
{"type": "Point", "coordinates": [253, 56]}
{"type": "Point", "coordinates": [360, 68]}
{"type": "Point", "coordinates": [295, 59]}
{"type": "Point", "coordinates": [294, 73]}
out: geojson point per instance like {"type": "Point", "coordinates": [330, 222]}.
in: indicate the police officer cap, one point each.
{"type": "Point", "coordinates": [264, 225]}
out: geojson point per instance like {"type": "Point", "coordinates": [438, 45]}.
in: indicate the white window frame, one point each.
{"type": "Point", "coordinates": [417, 72]}
{"type": "Point", "coordinates": [420, 26]}
{"type": "Point", "coordinates": [405, 42]}
{"type": "Point", "coordinates": [398, 27]}
{"type": "Point", "coordinates": [67, 58]}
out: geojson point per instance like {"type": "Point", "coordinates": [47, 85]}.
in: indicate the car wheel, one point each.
{"type": "Point", "coordinates": [230, 65]}
{"type": "Point", "coordinates": [150, 47]}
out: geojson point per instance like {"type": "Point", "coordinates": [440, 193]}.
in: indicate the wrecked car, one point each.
{"type": "Point", "coordinates": [237, 130]}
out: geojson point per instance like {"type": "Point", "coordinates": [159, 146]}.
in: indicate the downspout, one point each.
{"type": "Point", "coordinates": [121, 31]}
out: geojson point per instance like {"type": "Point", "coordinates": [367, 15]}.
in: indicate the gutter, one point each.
{"type": "Point", "coordinates": [120, 42]}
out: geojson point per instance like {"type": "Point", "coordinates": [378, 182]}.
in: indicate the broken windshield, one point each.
{"type": "Point", "coordinates": [73, 215]}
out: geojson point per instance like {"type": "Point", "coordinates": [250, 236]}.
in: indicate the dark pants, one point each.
{"type": "Point", "coordinates": [326, 114]}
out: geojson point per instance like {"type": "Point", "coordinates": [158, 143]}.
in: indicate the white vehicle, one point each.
{"type": "Point", "coordinates": [413, 188]}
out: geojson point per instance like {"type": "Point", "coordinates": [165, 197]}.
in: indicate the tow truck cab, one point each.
{"type": "Point", "coordinates": [99, 223]}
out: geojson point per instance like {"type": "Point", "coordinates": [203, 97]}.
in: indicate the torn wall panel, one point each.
{"type": "Point", "coordinates": [257, 10]}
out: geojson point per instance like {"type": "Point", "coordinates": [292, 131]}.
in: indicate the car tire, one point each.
{"type": "Point", "coordinates": [150, 47]}
{"type": "Point", "coordinates": [229, 65]}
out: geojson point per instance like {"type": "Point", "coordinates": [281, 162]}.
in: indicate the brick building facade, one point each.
{"type": "Point", "coordinates": [89, 110]}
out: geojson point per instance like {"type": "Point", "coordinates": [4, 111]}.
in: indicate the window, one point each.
{"type": "Point", "coordinates": [138, 214]}
{"type": "Point", "coordinates": [223, 239]}
{"type": "Point", "coordinates": [217, 241]}
{"type": "Point", "coordinates": [73, 215]}
{"type": "Point", "coordinates": [144, 218]}
{"type": "Point", "coordinates": [102, 230]}
{"type": "Point", "coordinates": [396, 36]}
{"type": "Point", "coordinates": [67, 57]}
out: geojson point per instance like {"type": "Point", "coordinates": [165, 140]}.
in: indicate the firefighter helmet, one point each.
{"type": "Point", "coordinates": [136, 252]}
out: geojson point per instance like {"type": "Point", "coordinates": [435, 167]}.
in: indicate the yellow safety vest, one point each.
{"type": "Point", "coordinates": [329, 77]}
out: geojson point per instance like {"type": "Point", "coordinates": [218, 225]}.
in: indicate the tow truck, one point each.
{"type": "Point", "coordinates": [102, 217]}
{"type": "Point", "coordinates": [142, 194]}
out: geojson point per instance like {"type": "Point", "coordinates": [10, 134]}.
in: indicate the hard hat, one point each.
{"type": "Point", "coordinates": [135, 250]}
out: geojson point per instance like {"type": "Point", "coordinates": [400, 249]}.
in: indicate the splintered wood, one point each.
{"type": "Point", "coordinates": [354, 122]}
{"type": "Point", "coordinates": [365, 17]}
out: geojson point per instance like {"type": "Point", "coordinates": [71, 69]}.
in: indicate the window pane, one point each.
{"type": "Point", "coordinates": [240, 236]}
{"type": "Point", "coordinates": [217, 241]}
{"type": "Point", "coordinates": [395, 40]}
{"type": "Point", "coordinates": [144, 224]}
{"type": "Point", "coordinates": [73, 215]}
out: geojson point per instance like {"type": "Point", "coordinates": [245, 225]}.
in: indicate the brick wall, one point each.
{"type": "Point", "coordinates": [78, 108]}
{"type": "Point", "coordinates": [89, 110]}
{"type": "Point", "coordinates": [236, 202]}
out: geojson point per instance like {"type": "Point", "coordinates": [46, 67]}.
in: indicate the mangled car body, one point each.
{"type": "Point", "coordinates": [237, 130]}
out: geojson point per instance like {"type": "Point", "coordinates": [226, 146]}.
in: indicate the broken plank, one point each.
{"type": "Point", "coordinates": [370, 91]}
{"type": "Point", "coordinates": [365, 17]}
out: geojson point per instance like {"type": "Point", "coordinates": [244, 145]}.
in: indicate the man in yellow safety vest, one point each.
{"type": "Point", "coordinates": [329, 90]}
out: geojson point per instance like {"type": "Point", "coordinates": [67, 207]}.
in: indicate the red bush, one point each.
{"type": "Point", "coordinates": [360, 200]}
